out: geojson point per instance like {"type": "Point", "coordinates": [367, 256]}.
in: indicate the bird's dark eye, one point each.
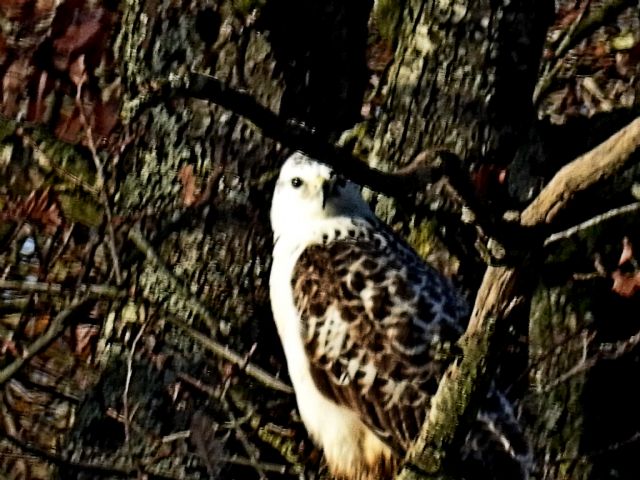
{"type": "Point", "coordinates": [296, 182]}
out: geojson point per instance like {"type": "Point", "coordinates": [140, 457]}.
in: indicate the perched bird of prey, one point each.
{"type": "Point", "coordinates": [368, 329]}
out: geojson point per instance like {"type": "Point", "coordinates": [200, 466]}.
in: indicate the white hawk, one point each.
{"type": "Point", "coordinates": [367, 329]}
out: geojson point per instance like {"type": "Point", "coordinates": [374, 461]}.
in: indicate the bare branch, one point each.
{"type": "Point", "coordinates": [225, 352]}
{"type": "Point", "coordinates": [101, 184]}
{"type": "Point", "coordinates": [300, 137]}
{"type": "Point", "coordinates": [608, 352]}
{"type": "Point", "coordinates": [494, 301]}
{"type": "Point", "coordinates": [592, 222]}
{"type": "Point", "coordinates": [579, 30]}
{"type": "Point", "coordinates": [106, 291]}
{"type": "Point", "coordinates": [176, 284]}
{"type": "Point", "coordinates": [127, 414]}
{"type": "Point", "coordinates": [589, 24]}
{"type": "Point", "coordinates": [94, 469]}
{"type": "Point", "coordinates": [264, 466]}
{"type": "Point", "coordinates": [251, 449]}
{"type": "Point", "coordinates": [460, 389]}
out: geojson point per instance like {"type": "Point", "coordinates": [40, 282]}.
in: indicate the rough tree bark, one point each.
{"type": "Point", "coordinates": [188, 186]}
{"type": "Point", "coordinates": [153, 209]}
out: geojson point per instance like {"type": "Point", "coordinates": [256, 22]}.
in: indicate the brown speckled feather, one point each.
{"type": "Point", "coordinates": [379, 327]}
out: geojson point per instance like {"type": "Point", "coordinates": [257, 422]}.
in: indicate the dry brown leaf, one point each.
{"type": "Point", "coordinates": [79, 36]}
{"type": "Point", "coordinates": [625, 284]}
{"type": "Point", "coordinates": [37, 325]}
{"type": "Point", "coordinates": [84, 335]}
{"type": "Point", "coordinates": [42, 207]}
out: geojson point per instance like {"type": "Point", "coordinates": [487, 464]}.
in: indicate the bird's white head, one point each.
{"type": "Point", "coordinates": [308, 191]}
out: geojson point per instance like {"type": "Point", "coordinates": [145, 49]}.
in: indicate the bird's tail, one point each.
{"type": "Point", "coordinates": [496, 447]}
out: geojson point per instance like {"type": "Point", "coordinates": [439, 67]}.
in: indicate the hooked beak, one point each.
{"type": "Point", "coordinates": [331, 186]}
{"type": "Point", "coordinates": [327, 190]}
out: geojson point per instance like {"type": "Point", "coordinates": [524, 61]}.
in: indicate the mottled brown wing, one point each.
{"type": "Point", "coordinates": [379, 326]}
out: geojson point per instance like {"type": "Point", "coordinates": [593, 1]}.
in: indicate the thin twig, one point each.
{"type": "Point", "coordinates": [592, 22]}
{"type": "Point", "coordinates": [251, 449]}
{"type": "Point", "coordinates": [608, 449]}
{"type": "Point", "coordinates": [605, 352]}
{"type": "Point", "coordinates": [94, 469]}
{"type": "Point", "coordinates": [225, 352]}
{"type": "Point", "coordinates": [235, 423]}
{"type": "Point", "coordinates": [106, 291]}
{"type": "Point", "coordinates": [550, 74]}
{"type": "Point", "coordinates": [264, 466]}
{"type": "Point", "coordinates": [198, 384]}
{"type": "Point", "coordinates": [613, 213]}
{"type": "Point", "coordinates": [128, 416]}
{"type": "Point", "coordinates": [55, 329]}
{"type": "Point", "coordinates": [564, 345]}
{"type": "Point", "coordinates": [569, 36]}
{"type": "Point", "coordinates": [111, 240]}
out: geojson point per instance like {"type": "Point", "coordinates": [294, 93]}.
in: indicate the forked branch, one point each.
{"type": "Point", "coordinates": [465, 381]}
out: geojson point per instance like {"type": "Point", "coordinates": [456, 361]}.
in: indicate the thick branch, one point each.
{"type": "Point", "coordinates": [456, 391]}
{"type": "Point", "coordinates": [463, 383]}
{"type": "Point", "coordinates": [300, 137]}
{"type": "Point", "coordinates": [426, 168]}
{"type": "Point", "coordinates": [591, 169]}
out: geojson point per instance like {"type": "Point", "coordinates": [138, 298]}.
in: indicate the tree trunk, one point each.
{"type": "Point", "coordinates": [135, 331]}
{"type": "Point", "coordinates": [189, 183]}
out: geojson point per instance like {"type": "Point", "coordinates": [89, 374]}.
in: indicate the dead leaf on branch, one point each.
{"type": "Point", "coordinates": [625, 284]}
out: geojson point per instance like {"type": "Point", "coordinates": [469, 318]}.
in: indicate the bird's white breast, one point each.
{"type": "Point", "coordinates": [346, 441]}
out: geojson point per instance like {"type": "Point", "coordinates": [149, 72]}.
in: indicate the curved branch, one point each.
{"type": "Point", "coordinates": [425, 169]}
{"type": "Point", "coordinates": [591, 169]}
{"type": "Point", "coordinates": [463, 383]}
